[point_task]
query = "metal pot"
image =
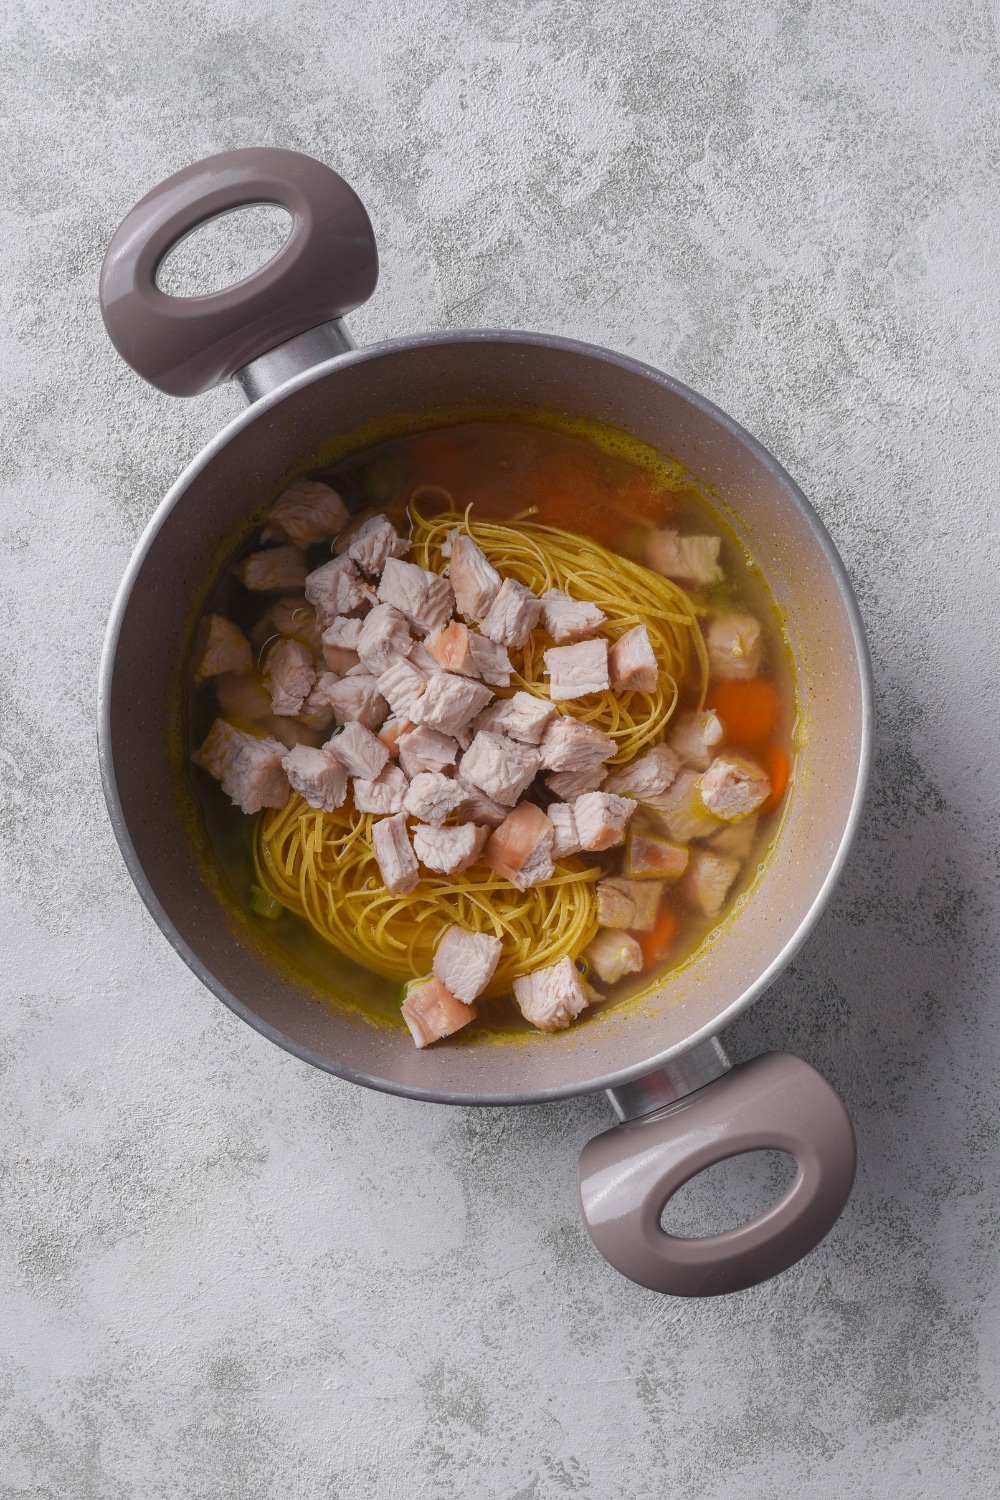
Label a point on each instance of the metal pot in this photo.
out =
(280, 334)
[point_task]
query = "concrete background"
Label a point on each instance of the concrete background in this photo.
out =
(225, 1275)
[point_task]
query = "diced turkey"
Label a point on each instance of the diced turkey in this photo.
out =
(451, 649)
(569, 745)
(337, 588)
(734, 786)
(575, 671)
(502, 768)
(309, 512)
(317, 711)
(289, 675)
(384, 639)
(612, 955)
(290, 732)
(601, 818)
(426, 599)
(465, 962)
(566, 839)
(628, 904)
(318, 777)
(551, 998)
(476, 807)
(358, 750)
(682, 812)
(449, 850)
(650, 858)
(520, 850)
(396, 859)
(736, 839)
(432, 796)
(248, 768)
(735, 646)
(449, 702)
(372, 544)
(709, 879)
(426, 749)
(632, 664)
(649, 775)
(392, 731)
(568, 620)
(572, 784)
(475, 582)
(523, 717)
(695, 736)
(358, 698)
(384, 793)
(275, 568)
(513, 614)
(221, 647)
(432, 1012)
(490, 661)
(686, 559)
(403, 685)
(295, 617)
(243, 696)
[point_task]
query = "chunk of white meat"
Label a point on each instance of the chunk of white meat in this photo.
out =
(695, 736)
(372, 544)
(384, 639)
(575, 671)
(551, 998)
(649, 775)
(475, 581)
(476, 807)
(357, 698)
(383, 794)
(566, 838)
(601, 819)
(336, 589)
(317, 711)
(450, 703)
(243, 696)
(682, 811)
(632, 664)
(432, 1012)
(338, 643)
(568, 620)
(523, 717)
(318, 777)
(220, 647)
(276, 568)
(465, 962)
(359, 751)
(736, 839)
(249, 768)
(290, 732)
(500, 767)
(392, 731)
(572, 784)
(735, 646)
(734, 786)
(396, 860)
(309, 512)
(520, 850)
(451, 649)
(289, 675)
(709, 880)
(650, 858)
(449, 850)
(629, 905)
(569, 745)
(426, 599)
(289, 616)
(513, 614)
(431, 796)
(686, 559)
(490, 660)
(426, 749)
(612, 955)
(403, 685)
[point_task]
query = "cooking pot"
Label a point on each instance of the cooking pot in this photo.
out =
(280, 334)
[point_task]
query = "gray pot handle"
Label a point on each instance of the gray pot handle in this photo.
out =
(326, 267)
(774, 1103)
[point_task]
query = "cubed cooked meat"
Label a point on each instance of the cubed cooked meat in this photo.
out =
(451, 649)
(384, 639)
(735, 646)
(431, 796)
(343, 631)
(277, 568)
(449, 702)
(289, 675)
(551, 998)
(695, 736)
(568, 785)
(569, 745)
(612, 955)
(686, 559)
(601, 818)
(476, 807)
(248, 767)
(682, 811)
(736, 839)
(309, 512)
(243, 696)
(523, 717)
(449, 850)
(318, 777)
(426, 599)
(475, 582)
(383, 794)
(290, 732)
(358, 750)
(337, 588)
(734, 786)
(221, 647)
(317, 710)
(392, 731)
(358, 698)
(632, 664)
(649, 775)
(500, 767)
(513, 614)
(396, 860)
(490, 661)
(373, 543)
(568, 620)
(630, 905)
(289, 616)
(709, 879)
(651, 858)
(575, 671)
(426, 749)
(431, 1012)
(566, 838)
(465, 962)
(520, 850)
(403, 685)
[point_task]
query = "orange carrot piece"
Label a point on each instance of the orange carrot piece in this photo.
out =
(777, 765)
(748, 709)
(654, 944)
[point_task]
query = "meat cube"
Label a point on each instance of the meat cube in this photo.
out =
(396, 860)
(221, 647)
(426, 749)
(465, 962)
(569, 745)
(566, 838)
(392, 731)
(520, 850)
(449, 850)
(612, 955)
(317, 710)
(426, 599)
(650, 858)
(337, 588)
(358, 750)
(383, 640)
(318, 777)
(476, 807)
(523, 717)
(682, 811)
(551, 998)
(383, 794)
(649, 775)
(344, 632)
(490, 661)
(358, 698)
(451, 649)
(734, 786)
(630, 905)
(475, 582)
(309, 512)
(290, 732)
(431, 1012)
(289, 675)
(372, 544)
(709, 879)
(735, 646)
(601, 818)
(248, 767)
(686, 559)
(575, 671)
(449, 702)
(432, 796)
(568, 620)
(572, 784)
(500, 767)
(695, 736)
(736, 839)
(276, 568)
(404, 686)
(289, 616)
(243, 696)
(513, 614)
(632, 664)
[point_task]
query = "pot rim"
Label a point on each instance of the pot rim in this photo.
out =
(133, 864)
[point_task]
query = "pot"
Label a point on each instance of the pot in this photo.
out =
(280, 334)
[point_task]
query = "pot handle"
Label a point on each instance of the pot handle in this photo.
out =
(327, 266)
(627, 1176)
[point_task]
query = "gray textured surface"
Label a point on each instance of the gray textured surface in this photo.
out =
(222, 1274)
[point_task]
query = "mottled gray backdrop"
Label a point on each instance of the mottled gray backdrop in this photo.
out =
(225, 1275)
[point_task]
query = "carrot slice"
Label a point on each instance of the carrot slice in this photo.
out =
(777, 765)
(748, 709)
(654, 944)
